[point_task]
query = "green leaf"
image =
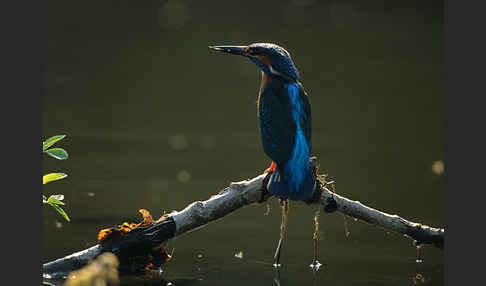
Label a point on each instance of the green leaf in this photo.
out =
(52, 177)
(57, 153)
(58, 197)
(60, 211)
(44, 199)
(49, 142)
(54, 200)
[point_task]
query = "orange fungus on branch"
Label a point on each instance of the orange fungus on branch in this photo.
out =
(147, 218)
(126, 227)
(104, 233)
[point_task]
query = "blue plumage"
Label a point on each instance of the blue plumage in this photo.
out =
(299, 161)
(287, 140)
(284, 118)
(298, 164)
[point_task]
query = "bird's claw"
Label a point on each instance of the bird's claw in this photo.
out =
(271, 168)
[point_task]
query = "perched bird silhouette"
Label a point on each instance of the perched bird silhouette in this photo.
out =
(284, 117)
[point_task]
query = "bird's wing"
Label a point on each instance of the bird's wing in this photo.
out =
(277, 127)
(306, 119)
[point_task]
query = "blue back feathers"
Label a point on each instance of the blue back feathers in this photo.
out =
(299, 161)
(294, 179)
(285, 128)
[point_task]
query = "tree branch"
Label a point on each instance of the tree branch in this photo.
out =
(144, 240)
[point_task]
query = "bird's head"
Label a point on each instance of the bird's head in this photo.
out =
(270, 58)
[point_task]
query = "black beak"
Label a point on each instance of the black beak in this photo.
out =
(237, 50)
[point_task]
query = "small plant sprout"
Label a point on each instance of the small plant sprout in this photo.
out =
(54, 201)
(57, 153)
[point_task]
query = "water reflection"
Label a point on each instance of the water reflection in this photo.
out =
(276, 279)
(418, 279)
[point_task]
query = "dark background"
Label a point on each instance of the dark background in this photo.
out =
(156, 120)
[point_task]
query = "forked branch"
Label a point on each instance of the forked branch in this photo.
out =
(142, 241)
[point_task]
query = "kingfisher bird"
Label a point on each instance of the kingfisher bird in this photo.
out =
(284, 117)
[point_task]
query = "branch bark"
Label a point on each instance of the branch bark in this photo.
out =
(142, 240)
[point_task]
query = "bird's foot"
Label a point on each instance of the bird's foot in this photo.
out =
(271, 168)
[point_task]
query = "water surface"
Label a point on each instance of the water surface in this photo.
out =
(156, 120)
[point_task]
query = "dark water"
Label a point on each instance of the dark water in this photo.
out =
(156, 120)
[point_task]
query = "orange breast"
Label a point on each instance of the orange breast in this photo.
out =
(265, 60)
(265, 80)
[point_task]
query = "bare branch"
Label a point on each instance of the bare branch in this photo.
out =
(237, 195)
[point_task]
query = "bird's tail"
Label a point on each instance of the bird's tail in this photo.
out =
(279, 185)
